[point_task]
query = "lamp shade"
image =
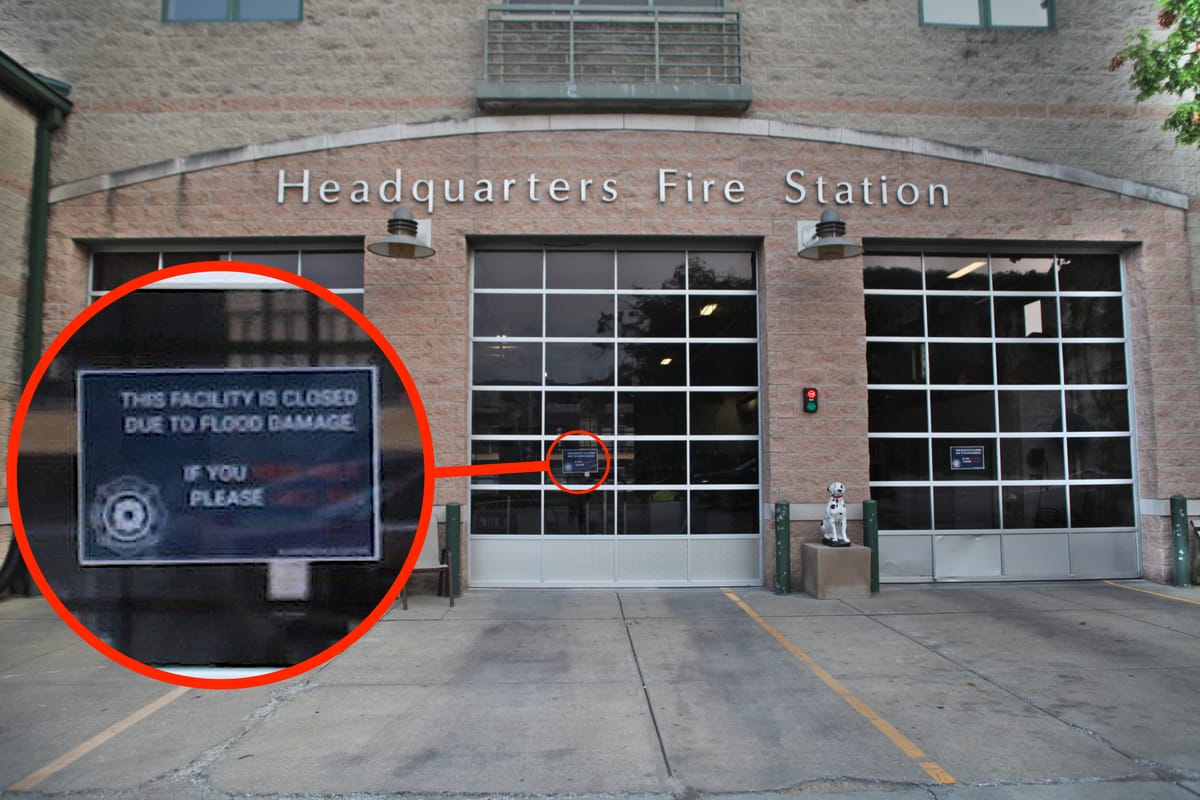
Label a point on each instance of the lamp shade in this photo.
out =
(824, 241)
(402, 240)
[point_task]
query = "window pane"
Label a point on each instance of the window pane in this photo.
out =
(288, 261)
(729, 317)
(1022, 274)
(895, 316)
(903, 508)
(506, 512)
(959, 316)
(724, 462)
(1089, 273)
(892, 411)
(960, 363)
(964, 459)
(724, 364)
(1027, 363)
(514, 363)
(252, 10)
(652, 365)
(579, 411)
(958, 508)
(1094, 363)
(1033, 459)
(649, 270)
(197, 10)
(962, 411)
(583, 364)
(1030, 411)
(1020, 13)
(651, 462)
(950, 12)
(505, 452)
(335, 270)
(956, 273)
(1093, 317)
(721, 271)
(899, 459)
(508, 315)
(506, 412)
(895, 362)
(1101, 506)
(651, 512)
(658, 316)
(652, 413)
(1099, 457)
(1035, 507)
(891, 272)
(1098, 410)
(579, 514)
(579, 270)
(175, 259)
(499, 269)
(579, 315)
(724, 413)
(1025, 317)
(110, 270)
(725, 512)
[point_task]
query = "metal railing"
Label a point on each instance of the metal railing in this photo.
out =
(613, 44)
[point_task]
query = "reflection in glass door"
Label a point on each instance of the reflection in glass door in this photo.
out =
(654, 351)
(999, 414)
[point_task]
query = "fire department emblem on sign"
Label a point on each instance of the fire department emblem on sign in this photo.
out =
(127, 515)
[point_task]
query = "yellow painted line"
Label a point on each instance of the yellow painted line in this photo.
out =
(883, 726)
(73, 755)
(1156, 594)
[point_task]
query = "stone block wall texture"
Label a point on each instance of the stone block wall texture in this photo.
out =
(811, 313)
(17, 132)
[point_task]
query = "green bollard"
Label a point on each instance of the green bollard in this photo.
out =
(454, 545)
(783, 548)
(1179, 532)
(871, 539)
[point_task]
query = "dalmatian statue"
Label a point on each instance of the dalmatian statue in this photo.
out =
(833, 526)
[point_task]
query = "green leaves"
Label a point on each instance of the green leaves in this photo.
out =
(1168, 65)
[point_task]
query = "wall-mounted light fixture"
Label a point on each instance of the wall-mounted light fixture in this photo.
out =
(823, 240)
(403, 239)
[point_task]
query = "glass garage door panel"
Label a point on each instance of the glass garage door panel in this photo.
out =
(654, 351)
(999, 416)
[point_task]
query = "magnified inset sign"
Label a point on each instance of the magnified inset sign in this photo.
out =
(209, 466)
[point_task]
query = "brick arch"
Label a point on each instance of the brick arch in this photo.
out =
(474, 126)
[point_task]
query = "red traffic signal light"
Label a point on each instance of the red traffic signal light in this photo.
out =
(810, 400)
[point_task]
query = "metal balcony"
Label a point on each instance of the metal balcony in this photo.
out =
(618, 58)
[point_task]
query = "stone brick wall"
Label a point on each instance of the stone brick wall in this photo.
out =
(147, 90)
(17, 131)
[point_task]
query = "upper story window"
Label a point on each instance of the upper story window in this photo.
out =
(988, 13)
(232, 10)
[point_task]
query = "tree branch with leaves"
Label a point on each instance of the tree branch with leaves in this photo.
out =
(1168, 65)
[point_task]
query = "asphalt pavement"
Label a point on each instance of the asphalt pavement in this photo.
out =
(1050, 691)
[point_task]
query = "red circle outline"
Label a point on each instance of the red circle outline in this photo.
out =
(607, 462)
(107, 300)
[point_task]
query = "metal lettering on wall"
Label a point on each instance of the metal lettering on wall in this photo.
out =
(202, 466)
(673, 187)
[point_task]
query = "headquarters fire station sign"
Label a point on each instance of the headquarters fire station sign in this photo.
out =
(203, 466)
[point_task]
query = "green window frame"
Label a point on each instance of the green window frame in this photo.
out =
(232, 10)
(985, 14)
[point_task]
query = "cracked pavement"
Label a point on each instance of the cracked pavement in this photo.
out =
(1057, 691)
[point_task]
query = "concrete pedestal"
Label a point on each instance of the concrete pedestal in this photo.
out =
(836, 572)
